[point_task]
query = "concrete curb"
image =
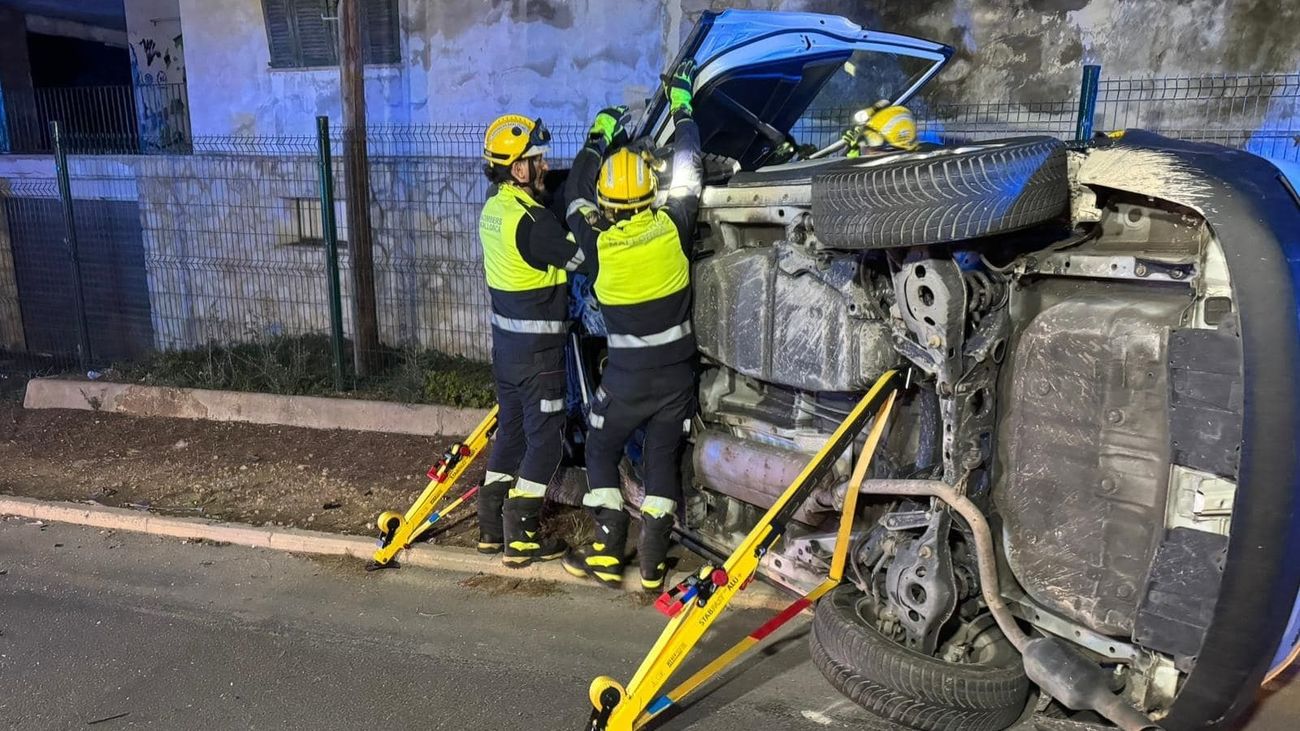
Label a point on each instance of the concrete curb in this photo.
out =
(293, 540)
(313, 412)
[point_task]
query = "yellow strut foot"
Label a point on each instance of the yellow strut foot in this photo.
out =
(399, 530)
(605, 695)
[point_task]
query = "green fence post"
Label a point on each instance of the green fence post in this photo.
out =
(1087, 102)
(329, 231)
(70, 240)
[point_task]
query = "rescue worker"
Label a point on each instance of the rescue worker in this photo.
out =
(527, 255)
(881, 126)
(639, 257)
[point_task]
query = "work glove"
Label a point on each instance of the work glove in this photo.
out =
(852, 138)
(679, 87)
(610, 126)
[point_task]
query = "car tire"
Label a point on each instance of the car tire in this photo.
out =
(946, 195)
(907, 687)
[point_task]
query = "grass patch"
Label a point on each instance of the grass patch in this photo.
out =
(303, 366)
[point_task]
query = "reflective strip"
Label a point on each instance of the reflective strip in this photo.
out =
(578, 205)
(576, 261)
(604, 497)
(601, 395)
(528, 488)
(657, 507)
(541, 327)
(597, 421)
(492, 477)
(686, 426)
(671, 335)
(552, 405)
(604, 561)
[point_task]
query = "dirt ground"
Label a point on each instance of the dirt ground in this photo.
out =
(263, 475)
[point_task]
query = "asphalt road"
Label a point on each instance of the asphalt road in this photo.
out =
(121, 630)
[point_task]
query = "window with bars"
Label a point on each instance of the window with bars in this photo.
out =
(302, 225)
(304, 33)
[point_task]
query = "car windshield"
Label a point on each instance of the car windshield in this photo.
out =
(867, 77)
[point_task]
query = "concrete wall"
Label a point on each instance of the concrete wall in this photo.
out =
(462, 61)
(469, 60)
(1032, 50)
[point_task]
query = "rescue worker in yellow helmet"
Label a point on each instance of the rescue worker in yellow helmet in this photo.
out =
(527, 255)
(640, 260)
(882, 126)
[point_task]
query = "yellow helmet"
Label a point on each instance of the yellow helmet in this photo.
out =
(626, 182)
(893, 126)
(512, 137)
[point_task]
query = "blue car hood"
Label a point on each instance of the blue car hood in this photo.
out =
(759, 71)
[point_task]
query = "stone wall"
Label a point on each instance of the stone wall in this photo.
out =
(11, 323)
(232, 253)
(227, 260)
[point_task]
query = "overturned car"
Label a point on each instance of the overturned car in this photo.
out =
(1101, 409)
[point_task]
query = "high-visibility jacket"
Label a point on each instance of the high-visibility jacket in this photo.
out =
(644, 288)
(641, 264)
(526, 257)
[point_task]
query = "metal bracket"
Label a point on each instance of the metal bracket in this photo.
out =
(920, 582)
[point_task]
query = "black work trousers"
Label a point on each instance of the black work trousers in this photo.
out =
(663, 401)
(530, 419)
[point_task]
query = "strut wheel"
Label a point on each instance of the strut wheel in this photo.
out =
(389, 521)
(596, 693)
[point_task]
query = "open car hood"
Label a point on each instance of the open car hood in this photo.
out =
(758, 72)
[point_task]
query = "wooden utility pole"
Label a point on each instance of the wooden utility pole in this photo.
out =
(356, 175)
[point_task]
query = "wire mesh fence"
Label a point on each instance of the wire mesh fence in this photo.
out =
(125, 120)
(218, 256)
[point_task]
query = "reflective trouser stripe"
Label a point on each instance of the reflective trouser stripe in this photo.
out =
(603, 561)
(527, 488)
(657, 507)
(492, 477)
(597, 421)
(663, 337)
(532, 327)
(604, 497)
(552, 405)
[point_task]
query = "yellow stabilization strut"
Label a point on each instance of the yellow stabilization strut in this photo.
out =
(696, 603)
(399, 530)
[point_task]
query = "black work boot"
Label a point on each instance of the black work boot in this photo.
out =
(525, 543)
(491, 498)
(603, 558)
(656, 538)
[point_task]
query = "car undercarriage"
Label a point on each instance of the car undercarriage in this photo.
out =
(1096, 435)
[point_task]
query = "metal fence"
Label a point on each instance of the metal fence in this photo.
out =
(124, 119)
(117, 257)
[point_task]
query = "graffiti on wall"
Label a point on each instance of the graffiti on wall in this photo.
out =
(158, 73)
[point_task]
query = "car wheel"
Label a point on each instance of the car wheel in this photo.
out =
(951, 194)
(891, 681)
